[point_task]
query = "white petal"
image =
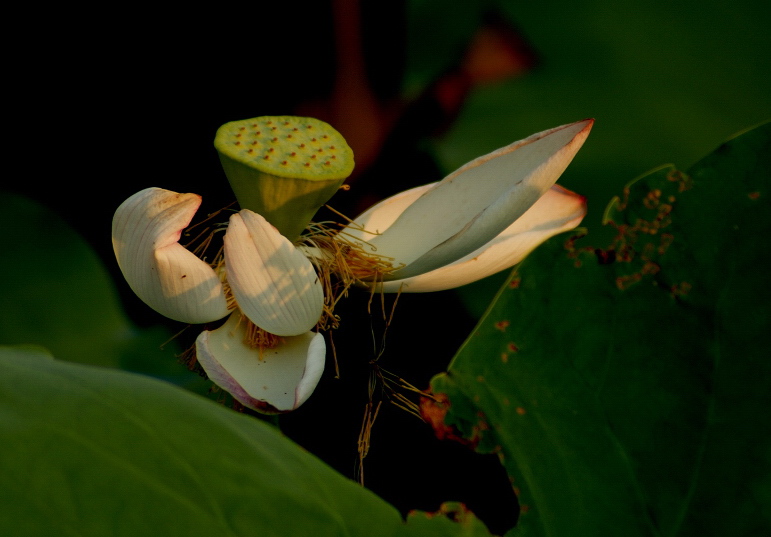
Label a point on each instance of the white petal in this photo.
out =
(270, 381)
(558, 210)
(380, 216)
(166, 276)
(477, 202)
(273, 282)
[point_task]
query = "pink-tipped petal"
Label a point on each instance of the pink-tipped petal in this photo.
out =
(474, 204)
(270, 381)
(556, 211)
(170, 279)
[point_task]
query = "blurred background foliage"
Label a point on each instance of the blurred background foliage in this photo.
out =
(130, 96)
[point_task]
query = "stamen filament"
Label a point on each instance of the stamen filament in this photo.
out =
(257, 338)
(341, 262)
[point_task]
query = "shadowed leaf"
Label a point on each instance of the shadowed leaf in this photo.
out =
(622, 386)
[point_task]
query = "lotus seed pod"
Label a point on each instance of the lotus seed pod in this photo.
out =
(283, 167)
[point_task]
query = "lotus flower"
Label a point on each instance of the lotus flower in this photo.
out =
(268, 284)
(482, 218)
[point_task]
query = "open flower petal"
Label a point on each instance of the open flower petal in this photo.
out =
(378, 218)
(556, 211)
(273, 282)
(474, 204)
(170, 279)
(267, 380)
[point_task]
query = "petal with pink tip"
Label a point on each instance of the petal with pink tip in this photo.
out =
(271, 381)
(273, 282)
(477, 202)
(556, 211)
(170, 279)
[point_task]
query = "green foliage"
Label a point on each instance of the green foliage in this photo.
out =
(53, 288)
(663, 79)
(625, 387)
(56, 293)
(92, 452)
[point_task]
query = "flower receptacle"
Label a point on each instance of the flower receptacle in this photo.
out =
(283, 167)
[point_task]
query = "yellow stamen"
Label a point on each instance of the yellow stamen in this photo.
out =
(365, 435)
(341, 261)
(219, 268)
(257, 338)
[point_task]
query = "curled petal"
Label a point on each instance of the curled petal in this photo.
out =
(170, 279)
(273, 282)
(474, 204)
(271, 381)
(556, 211)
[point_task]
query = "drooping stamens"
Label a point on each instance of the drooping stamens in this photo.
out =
(365, 436)
(341, 261)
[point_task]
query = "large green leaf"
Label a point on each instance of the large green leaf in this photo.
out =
(55, 292)
(626, 388)
(98, 452)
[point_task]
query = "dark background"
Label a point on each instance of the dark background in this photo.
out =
(108, 101)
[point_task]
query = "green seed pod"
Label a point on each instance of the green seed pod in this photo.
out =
(283, 167)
